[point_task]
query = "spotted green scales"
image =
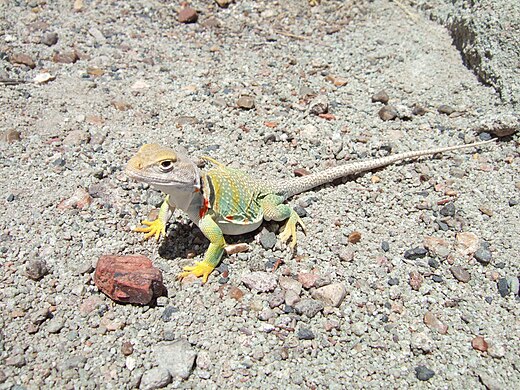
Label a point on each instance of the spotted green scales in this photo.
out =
(225, 200)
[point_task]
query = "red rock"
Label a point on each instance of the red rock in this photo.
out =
(416, 280)
(129, 279)
(188, 15)
(308, 279)
(354, 237)
(479, 344)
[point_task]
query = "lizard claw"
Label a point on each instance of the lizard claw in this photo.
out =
(289, 231)
(155, 228)
(200, 268)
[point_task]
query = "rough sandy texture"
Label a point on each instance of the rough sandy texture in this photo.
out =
(431, 318)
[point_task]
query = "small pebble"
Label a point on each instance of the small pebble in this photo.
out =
(354, 237)
(512, 202)
(388, 113)
(188, 15)
(305, 334)
(445, 109)
(381, 97)
(127, 348)
(433, 263)
(434, 323)
(416, 280)
(448, 210)
(36, 269)
(460, 274)
(502, 286)
(50, 39)
(308, 307)
(479, 344)
(393, 281)
(168, 313)
(155, 378)
(483, 256)
(418, 110)
(437, 278)
(246, 102)
(385, 246)
(268, 239)
(423, 373)
(415, 253)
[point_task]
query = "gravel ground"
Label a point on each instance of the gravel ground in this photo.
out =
(407, 277)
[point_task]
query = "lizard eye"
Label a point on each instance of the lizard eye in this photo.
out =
(166, 165)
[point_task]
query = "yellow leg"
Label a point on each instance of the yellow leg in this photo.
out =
(275, 210)
(214, 253)
(157, 227)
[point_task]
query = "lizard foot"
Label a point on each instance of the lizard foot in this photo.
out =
(201, 268)
(289, 231)
(153, 228)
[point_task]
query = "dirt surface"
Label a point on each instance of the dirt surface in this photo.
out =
(85, 83)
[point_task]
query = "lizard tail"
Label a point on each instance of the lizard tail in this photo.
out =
(296, 185)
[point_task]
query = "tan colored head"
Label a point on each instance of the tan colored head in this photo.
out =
(163, 167)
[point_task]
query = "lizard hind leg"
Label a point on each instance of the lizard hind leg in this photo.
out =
(277, 211)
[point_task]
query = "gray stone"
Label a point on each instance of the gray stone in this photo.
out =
(305, 334)
(36, 269)
(308, 307)
(268, 239)
(503, 287)
(483, 256)
(177, 357)
(423, 373)
(156, 378)
(55, 325)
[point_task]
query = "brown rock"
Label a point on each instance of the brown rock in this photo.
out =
(381, 97)
(121, 105)
(460, 274)
(479, 344)
(10, 136)
(434, 323)
(36, 269)
(388, 113)
(129, 279)
(437, 246)
(188, 15)
(236, 293)
(418, 110)
(127, 348)
(22, 59)
(416, 280)
(308, 279)
(338, 81)
(66, 57)
(354, 237)
(246, 102)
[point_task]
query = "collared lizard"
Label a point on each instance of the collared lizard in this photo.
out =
(226, 200)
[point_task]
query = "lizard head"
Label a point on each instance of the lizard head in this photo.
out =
(163, 168)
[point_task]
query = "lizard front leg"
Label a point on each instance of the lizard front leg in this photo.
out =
(275, 210)
(157, 227)
(214, 253)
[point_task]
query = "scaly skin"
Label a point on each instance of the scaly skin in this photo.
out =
(228, 201)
